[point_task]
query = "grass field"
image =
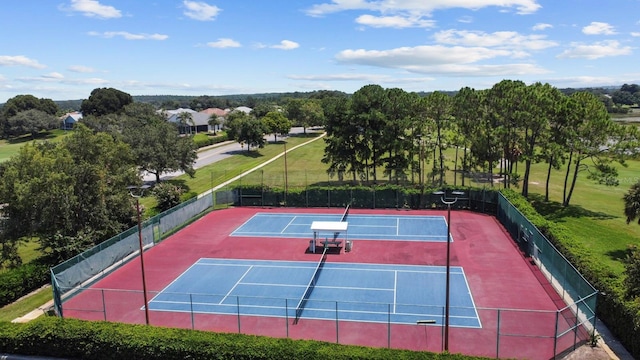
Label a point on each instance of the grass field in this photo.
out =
(8, 148)
(595, 215)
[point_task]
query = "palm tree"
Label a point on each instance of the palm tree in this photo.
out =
(186, 120)
(632, 203)
(214, 122)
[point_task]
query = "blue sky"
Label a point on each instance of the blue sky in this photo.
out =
(63, 49)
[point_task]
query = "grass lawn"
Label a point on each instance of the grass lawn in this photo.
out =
(595, 214)
(26, 305)
(215, 174)
(8, 148)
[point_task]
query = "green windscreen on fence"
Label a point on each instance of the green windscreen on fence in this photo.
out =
(98, 261)
(565, 278)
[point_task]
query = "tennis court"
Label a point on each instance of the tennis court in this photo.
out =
(361, 227)
(250, 270)
(365, 292)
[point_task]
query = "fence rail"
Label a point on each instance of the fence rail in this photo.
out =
(568, 327)
(546, 333)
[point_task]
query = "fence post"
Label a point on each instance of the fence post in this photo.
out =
(555, 337)
(389, 325)
(286, 315)
(575, 328)
(104, 306)
(498, 335)
(193, 326)
(238, 310)
(337, 325)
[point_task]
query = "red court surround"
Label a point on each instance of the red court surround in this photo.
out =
(498, 275)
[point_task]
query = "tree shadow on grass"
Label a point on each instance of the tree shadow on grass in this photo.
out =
(254, 154)
(553, 210)
(45, 135)
(618, 254)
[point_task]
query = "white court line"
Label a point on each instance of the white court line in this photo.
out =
(235, 286)
(397, 226)
(473, 303)
(395, 290)
(286, 226)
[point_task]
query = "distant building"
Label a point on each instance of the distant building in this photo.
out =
(220, 114)
(199, 121)
(69, 120)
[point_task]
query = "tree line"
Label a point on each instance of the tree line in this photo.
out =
(72, 194)
(391, 133)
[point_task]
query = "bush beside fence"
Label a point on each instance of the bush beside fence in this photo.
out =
(388, 196)
(69, 338)
(15, 283)
(621, 316)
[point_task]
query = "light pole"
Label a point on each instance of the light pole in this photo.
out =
(448, 276)
(286, 175)
(141, 190)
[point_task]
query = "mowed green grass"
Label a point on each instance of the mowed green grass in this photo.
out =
(9, 148)
(595, 214)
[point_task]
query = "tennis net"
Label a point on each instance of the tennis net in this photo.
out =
(346, 213)
(310, 286)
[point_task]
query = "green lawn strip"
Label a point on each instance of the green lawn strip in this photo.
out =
(594, 216)
(226, 169)
(9, 148)
(26, 304)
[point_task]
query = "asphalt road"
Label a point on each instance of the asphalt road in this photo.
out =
(211, 154)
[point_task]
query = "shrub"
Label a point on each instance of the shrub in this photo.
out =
(167, 195)
(70, 338)
(20, 281)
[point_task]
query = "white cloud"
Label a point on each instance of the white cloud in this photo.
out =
(53, 78)
(595, 51)
(635, 34)
(224, 43)
(93, 8)
(394, 21)
(499, 39)
(20, 60)
(428, 54)
(598, 28)
(453, 61)
(129, 36)
(541, 26)
(465, 19)
(201, 11)
(80, 69)
(341, 77)
(286, 45)
(418, 7)
(53, 75)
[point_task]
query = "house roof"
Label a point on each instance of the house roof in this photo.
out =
(71, 117)
(199, 118)
(243, 109)
(215, 111)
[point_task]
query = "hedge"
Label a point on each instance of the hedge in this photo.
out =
(71, 338)
(18, 282)
(621, 316)
(211, 140)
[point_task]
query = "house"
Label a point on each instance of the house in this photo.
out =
(244, 109)
(218, 113)
(198, 121)
(69, 120)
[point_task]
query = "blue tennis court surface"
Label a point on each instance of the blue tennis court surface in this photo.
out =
(363, 292)
(361, 227)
